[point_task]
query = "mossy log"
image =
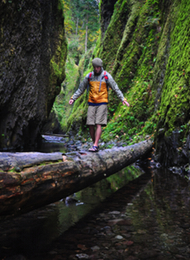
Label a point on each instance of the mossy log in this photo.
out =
(31, 180)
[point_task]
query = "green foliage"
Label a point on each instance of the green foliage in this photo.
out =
(174, 105)
(76, 14)
(75, 49)
(68, 21)
(148, 56)
(72, 116)
(133, 75)
(61, 104)
(81, 19)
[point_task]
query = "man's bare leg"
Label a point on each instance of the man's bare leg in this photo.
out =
(92, 132)
(97, 134)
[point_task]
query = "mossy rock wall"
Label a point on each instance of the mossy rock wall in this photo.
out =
(32, 66)
(146, 48)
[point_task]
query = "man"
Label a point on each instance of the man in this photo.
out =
(98, 82)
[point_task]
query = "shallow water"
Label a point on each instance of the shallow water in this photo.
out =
(32, 232)
(52, 144)
(146, 219)
(134, 214)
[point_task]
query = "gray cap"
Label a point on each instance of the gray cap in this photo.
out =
(97, 62)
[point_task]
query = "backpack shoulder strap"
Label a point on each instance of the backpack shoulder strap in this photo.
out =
(89, 76)
(105, 76)
(106, 79)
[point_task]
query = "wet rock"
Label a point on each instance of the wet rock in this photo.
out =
(176, 170)
(78, 143)
(146, 254)
(95, 248)
(119, 237)
(70, 143)
(106, 228)
(126, 235)
(128, 243)
(82, 247)
(113, 222)
(182, 249)
(70, 201)
(125, 222)
(82, 256)
(114, 213)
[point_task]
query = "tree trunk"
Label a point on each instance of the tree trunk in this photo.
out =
(77, 24)
(86, 36)
(35, 186)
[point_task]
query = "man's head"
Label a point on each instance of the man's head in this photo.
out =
(97, 64)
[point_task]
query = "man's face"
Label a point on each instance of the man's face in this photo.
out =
(97, 69)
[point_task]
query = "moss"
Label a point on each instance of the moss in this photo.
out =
(138, 76)
(134, 46)
(61, 6)
(57, 67)
(58, 60)
(175, 97)
(146, 49)
(111, 41)
(133, 70)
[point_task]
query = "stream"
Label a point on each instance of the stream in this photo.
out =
(137, 213)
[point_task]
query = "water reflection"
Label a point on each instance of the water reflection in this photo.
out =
(53, 143)
(35, 230)
(147, 219)
(160, 217)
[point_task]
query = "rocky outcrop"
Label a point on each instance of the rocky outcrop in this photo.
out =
(32, 180)
(52, 125)
(32, 60)
(106, 9)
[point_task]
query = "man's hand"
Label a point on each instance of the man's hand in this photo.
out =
(125, 103)
(71, 101)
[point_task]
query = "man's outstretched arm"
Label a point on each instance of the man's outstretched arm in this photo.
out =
(79, 91)
(114, 87)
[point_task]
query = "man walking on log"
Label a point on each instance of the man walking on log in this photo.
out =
(98, 82)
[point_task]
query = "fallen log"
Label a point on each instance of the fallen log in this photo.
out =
(27, 184)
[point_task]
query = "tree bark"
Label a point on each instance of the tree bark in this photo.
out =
(38, 185)
(86, 36)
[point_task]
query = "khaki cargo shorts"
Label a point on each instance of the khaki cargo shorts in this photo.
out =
(97, 115)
